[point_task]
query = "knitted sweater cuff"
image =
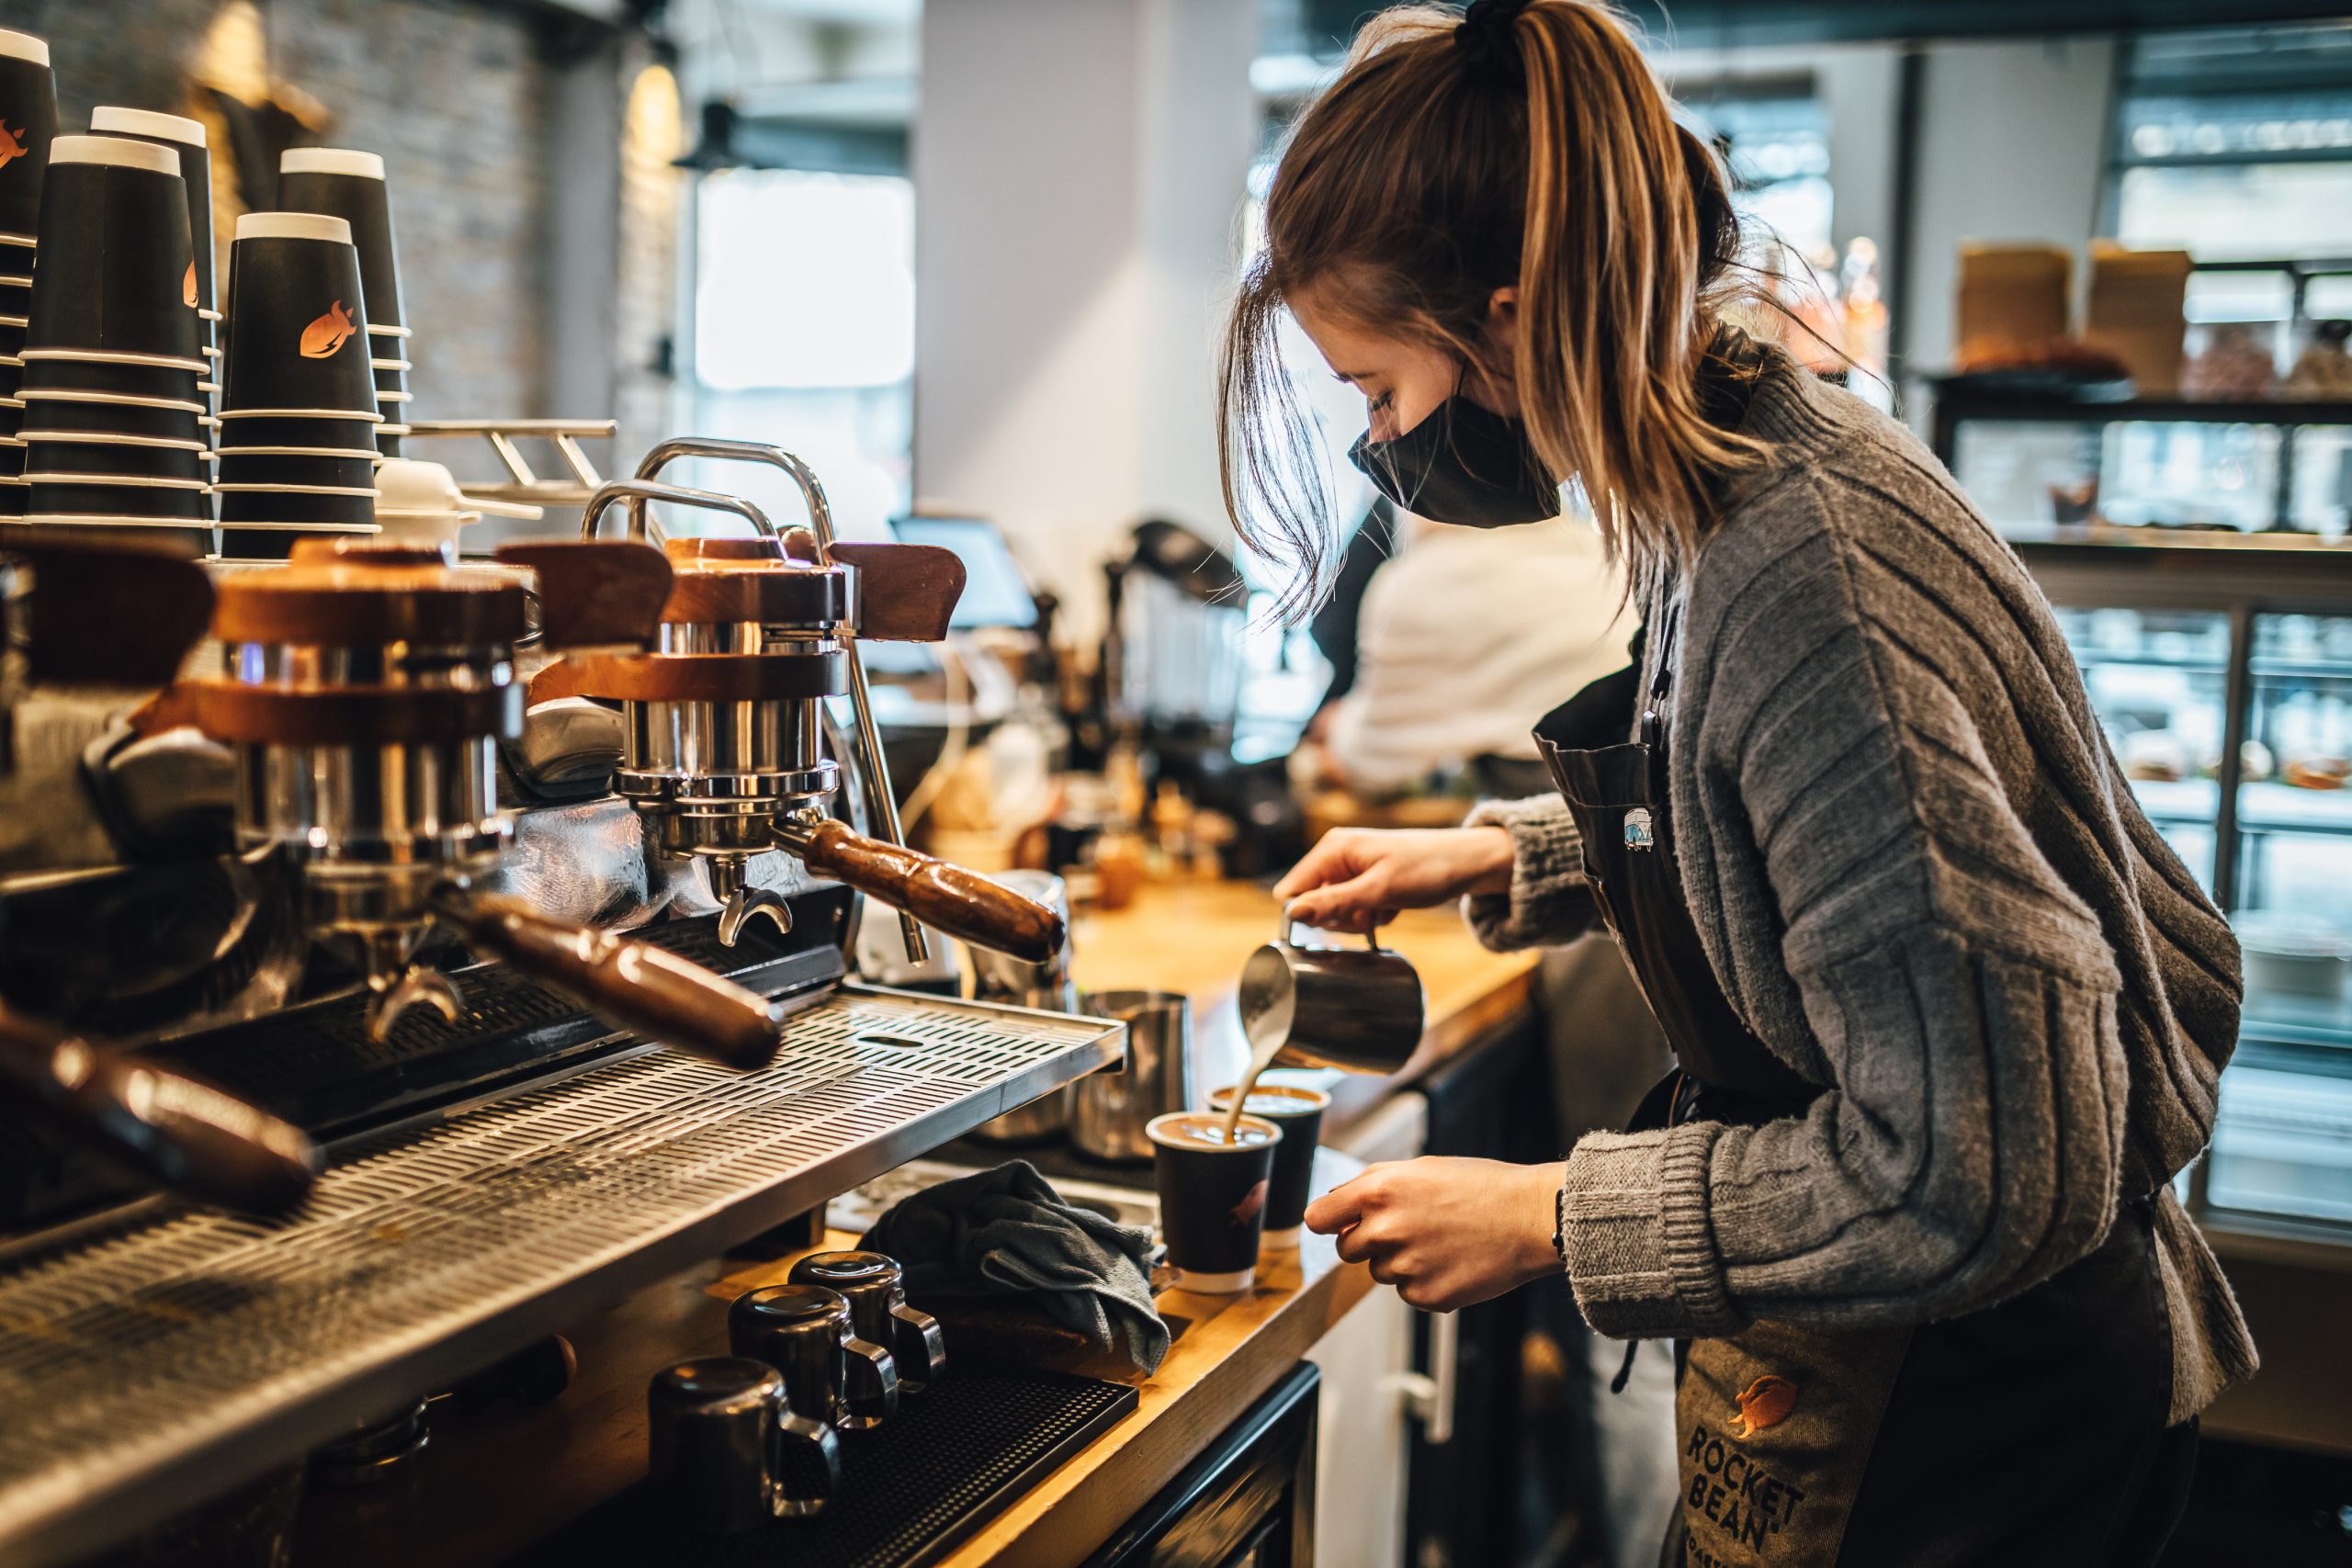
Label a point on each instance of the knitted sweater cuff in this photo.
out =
(1548, 903)
(1635, 1226)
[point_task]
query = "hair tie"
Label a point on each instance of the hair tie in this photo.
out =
(1484, 37)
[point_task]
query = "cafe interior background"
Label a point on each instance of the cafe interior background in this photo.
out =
(965, 258)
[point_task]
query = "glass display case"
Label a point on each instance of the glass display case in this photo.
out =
(2223, 679)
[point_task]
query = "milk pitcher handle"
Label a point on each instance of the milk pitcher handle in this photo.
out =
(1285, 924)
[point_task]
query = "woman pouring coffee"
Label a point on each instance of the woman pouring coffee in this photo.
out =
(1949, 1014)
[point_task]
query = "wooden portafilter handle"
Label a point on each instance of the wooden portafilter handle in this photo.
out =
(961, 903)
(179, 1132)
(633, 983)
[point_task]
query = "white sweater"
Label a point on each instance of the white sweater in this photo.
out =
(1469, 636)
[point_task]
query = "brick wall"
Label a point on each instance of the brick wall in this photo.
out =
(454, 93)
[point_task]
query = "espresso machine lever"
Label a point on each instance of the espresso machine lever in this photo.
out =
(881, 800)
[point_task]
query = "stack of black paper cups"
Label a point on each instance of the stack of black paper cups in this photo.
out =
(350, 185)
(298, 410)
(27, 125)
(111, 359)
(185, 138)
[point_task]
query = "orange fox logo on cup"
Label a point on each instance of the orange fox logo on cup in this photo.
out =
(12, 144)
(187, 285)
(1251, 1201)
(328, 333)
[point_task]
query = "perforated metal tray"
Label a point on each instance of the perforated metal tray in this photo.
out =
(163, 1357)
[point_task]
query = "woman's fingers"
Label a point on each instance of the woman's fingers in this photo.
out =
(1339, 1208)
(1353, 907)
(1334, 857)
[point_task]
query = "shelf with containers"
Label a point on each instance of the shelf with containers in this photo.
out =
(2222, 676)
(2261, 442)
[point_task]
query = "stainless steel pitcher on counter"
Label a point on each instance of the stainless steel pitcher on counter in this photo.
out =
(1110, 1109)
(1001, 978)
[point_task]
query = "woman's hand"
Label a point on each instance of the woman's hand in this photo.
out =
(1355, 879)
(1446, 1232)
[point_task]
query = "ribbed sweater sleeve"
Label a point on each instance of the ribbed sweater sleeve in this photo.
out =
(1842, 781)
(1549, 904)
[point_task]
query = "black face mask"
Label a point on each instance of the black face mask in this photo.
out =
(1464, 464)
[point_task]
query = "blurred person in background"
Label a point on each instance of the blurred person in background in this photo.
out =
(1459, 636)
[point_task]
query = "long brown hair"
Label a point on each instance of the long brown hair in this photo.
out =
(1528, 146)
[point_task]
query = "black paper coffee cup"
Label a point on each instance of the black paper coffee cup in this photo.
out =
(298, 326)
(97, 457)
(1299, 1113)
(146, 376)
(28, 128)
(342, 434)
(60, 497)
(349, 184)
(114, 251)
(313, 505)
(186, 140)
(246, 465)
(275, 541)
(1212, 1196)
(12, 457)
(15, 496)
(46, 410)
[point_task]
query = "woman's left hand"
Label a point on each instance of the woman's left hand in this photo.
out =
(1447, 1233)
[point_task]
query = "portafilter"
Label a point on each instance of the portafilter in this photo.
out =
(722, 726)
(123, 616)
(365, 688)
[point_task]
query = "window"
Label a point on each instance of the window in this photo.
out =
(1775, 137)
(2235, 144)
(804, 335)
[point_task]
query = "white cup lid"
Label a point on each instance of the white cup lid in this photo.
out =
(148, 122)
(117, 151)
(24, 46)
(330, 160)
(293, 226)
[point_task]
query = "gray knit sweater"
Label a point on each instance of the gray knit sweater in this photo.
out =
(1921, 879)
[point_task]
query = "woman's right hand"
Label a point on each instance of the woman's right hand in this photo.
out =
(1355, 879)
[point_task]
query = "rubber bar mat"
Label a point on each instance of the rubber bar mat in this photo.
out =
(912, 1489)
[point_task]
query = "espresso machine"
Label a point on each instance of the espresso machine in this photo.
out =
(365, 688)
(431, 797)
(722, 714)
(91, 616)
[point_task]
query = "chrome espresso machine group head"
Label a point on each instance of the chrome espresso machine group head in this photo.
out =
(364, 689)
(723, 710)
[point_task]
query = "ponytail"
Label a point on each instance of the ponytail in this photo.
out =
(1526, 144)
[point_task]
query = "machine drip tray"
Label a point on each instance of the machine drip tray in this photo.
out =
(912, 1489)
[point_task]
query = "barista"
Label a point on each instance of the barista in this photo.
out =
(1949, 1014)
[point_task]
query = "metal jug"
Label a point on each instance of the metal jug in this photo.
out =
(1002, 978)
(1358, 1010)
(1112, 1108)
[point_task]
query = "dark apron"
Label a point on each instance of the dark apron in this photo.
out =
(2029, 1433)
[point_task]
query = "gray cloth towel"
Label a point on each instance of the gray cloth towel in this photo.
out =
(1007, 1232)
